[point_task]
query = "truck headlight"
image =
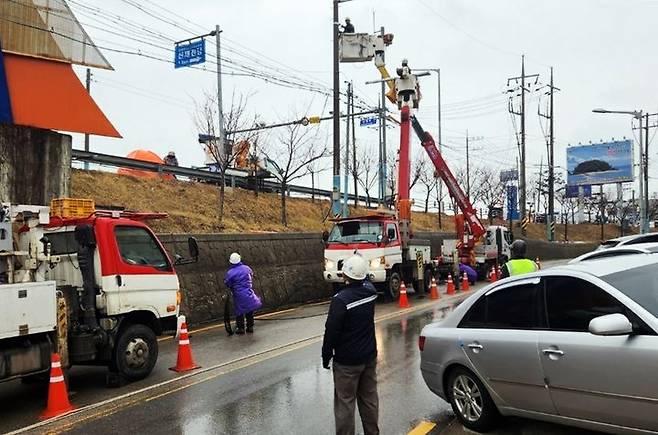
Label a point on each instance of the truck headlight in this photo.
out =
(378, 262)
(328, 264)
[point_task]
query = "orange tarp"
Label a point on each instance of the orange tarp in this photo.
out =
(47, 94)
(145, 156)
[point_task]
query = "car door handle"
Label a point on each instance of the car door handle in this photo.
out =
(553, 352)
(475, 346)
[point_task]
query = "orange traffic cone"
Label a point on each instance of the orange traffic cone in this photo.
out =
(403, 302)
(185, 362)
(58, 397)
(493, 276)
(450, 286)
(434, 293)
(465, 283)
(538, 263)
(499, 273)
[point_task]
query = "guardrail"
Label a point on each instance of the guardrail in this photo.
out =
(234, 177)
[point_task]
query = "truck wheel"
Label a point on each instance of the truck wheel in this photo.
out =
(136, 352)
(394, 282)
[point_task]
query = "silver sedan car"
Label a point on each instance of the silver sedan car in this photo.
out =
(575, 345)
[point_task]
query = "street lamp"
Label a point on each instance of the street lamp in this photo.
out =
(644, 168)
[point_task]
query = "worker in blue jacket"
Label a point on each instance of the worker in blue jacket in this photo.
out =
(349, 339)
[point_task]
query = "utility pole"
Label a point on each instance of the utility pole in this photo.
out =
(550, 229)
(382, 151)
(521, 113)
(86, 134)
(440, 187)
(646, 173)
(355, 174)
(335, 193)
(220, 110)
(468, 170)
(347, 152)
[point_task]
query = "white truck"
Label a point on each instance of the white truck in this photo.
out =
(492, 250)
(377, 238)
(95, 289)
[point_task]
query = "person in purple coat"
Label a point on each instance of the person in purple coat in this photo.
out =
(239, 278)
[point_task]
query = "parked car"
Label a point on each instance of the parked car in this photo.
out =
(575, 344)
(631, 249)
(629, 240)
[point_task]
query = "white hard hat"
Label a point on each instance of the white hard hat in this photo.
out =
(347, 19)
(356, 268)
(234, 258)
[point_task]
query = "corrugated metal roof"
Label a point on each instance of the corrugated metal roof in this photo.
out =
(47, 29)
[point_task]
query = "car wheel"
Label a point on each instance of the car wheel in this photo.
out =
(136, 352)
(471, 402)
(394, 282)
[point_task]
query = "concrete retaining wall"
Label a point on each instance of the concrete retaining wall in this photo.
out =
(287, 270)
(287, 267)
(35, 165)
(556, 251)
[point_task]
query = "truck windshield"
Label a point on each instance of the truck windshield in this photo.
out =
(356, 231)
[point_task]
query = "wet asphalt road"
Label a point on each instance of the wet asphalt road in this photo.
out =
(271, 382)
(286, 393)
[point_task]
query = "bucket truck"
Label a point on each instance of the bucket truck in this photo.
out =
(96, 287)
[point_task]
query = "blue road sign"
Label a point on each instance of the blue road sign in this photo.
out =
(190, 54)
(572, 191)
(368, 121)
(512, 209)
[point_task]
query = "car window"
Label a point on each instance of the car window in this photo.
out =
(138, 247)
(571, 303)
(390, 227)
(516, 307)
(650, 238)
(639, 284)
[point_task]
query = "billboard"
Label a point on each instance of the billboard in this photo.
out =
(603, 163)
(511, 175)
(573, 191)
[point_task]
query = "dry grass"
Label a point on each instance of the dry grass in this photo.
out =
(193, 208)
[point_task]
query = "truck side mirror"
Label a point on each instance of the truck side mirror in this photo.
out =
(390, 234)
(325, 236)
(193, 247)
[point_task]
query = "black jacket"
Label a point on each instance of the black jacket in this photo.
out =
(349, 334)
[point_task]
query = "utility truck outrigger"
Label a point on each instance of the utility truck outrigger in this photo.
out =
(96, 288)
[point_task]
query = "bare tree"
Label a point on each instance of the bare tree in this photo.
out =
(368, 171)
(298, 148)
(223, 155)
(428, 178)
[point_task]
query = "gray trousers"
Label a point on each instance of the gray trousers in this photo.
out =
(356, 383)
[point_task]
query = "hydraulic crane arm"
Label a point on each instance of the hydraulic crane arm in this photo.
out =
(476, 227)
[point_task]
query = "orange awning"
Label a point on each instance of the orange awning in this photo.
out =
(48, 94)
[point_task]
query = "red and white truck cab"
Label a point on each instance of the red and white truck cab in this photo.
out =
(97, 289)
(376, 237)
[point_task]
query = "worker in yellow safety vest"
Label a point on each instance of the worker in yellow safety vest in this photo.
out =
(519, 264)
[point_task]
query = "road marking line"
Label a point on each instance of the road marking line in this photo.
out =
(115, 404)
(423, 428)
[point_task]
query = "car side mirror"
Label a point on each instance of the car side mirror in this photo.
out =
(611, 324)
(390, 233)
(193, 248)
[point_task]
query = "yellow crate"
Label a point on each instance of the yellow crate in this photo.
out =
(72, 207)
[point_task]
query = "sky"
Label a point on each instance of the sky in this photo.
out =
(601, 51)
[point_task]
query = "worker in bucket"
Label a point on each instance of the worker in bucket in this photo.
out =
(349, 339)
(239, 279)
(519, 264)
(348, 27)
